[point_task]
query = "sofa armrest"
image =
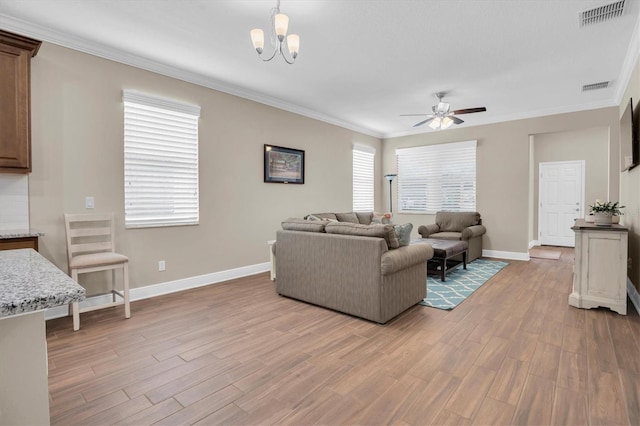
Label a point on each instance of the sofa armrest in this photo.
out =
(404, 257)
(427, 230)
(473, 231)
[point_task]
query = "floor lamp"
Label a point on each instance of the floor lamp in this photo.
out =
(390, 178)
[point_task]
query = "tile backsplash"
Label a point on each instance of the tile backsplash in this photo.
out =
(14, 202)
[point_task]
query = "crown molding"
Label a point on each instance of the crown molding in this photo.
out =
(103, 51)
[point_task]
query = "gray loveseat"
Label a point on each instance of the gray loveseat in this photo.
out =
(464, 226)
(349, 267)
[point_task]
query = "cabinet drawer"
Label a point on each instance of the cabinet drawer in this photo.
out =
(19, 243)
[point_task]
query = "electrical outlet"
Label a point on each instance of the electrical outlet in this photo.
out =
(161, 266)
(88, 202)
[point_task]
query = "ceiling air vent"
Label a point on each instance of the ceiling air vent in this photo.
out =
(595, 86)
(602, 13)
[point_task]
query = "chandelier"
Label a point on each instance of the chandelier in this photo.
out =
(278, 36)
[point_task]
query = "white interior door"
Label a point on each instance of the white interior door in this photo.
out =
(561, 200)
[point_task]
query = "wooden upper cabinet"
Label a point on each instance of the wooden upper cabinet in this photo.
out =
(15, 98)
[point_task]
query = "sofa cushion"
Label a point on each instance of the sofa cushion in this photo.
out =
(379, 231)
(403, 232)
(364, 218)
(347, 217)
(297, 224)
(317, 218)
(456, 221)
(322, 216)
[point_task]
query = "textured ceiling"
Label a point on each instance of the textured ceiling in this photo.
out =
(362, 63)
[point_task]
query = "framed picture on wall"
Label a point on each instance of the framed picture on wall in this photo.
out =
(283, 165)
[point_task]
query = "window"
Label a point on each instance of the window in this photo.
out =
(160, 161)
(437, 177)
(363, 178)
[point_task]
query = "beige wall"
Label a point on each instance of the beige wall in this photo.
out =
(590, 145)
(77, 124)
(77, 121)
(503, 169)
(630, 185)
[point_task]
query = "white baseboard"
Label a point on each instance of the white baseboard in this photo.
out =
(230, 274)
(146, 292)
(160, 289)
(633, 295)
(510, 255)
(534, 243)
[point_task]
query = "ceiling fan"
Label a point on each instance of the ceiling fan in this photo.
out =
(442, 117)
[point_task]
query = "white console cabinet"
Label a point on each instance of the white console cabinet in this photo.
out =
(600, 272)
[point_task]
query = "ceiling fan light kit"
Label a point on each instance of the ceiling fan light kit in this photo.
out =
(441, 123)
(278, 37)
(442, 117)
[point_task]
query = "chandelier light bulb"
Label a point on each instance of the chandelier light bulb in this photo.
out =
(435, 123)
(293, 43)
(446, 123)
(257, 38)
(281, 25)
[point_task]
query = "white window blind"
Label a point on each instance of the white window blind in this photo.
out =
(432, 178)
(160, 161)
(363, 188)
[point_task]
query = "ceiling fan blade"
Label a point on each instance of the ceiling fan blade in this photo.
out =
(456, 119)
(469, 110)
(423, 122)
(412, 115)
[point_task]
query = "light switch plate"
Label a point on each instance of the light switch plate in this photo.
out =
(88, 202)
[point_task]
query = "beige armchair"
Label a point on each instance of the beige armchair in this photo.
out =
(464, 226)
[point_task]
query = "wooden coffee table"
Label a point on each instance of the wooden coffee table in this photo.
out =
(443, 251)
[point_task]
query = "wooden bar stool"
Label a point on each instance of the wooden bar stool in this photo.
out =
(90, 248)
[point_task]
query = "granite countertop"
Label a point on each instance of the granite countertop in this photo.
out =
(19, 233)
(29, 282)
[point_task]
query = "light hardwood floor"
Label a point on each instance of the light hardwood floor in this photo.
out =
(237, 353)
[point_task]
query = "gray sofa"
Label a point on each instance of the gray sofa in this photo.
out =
(463, 226)
(349, 267)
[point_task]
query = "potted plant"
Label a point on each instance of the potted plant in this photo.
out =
(604, 212)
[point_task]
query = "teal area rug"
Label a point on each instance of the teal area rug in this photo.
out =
(460, 283)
